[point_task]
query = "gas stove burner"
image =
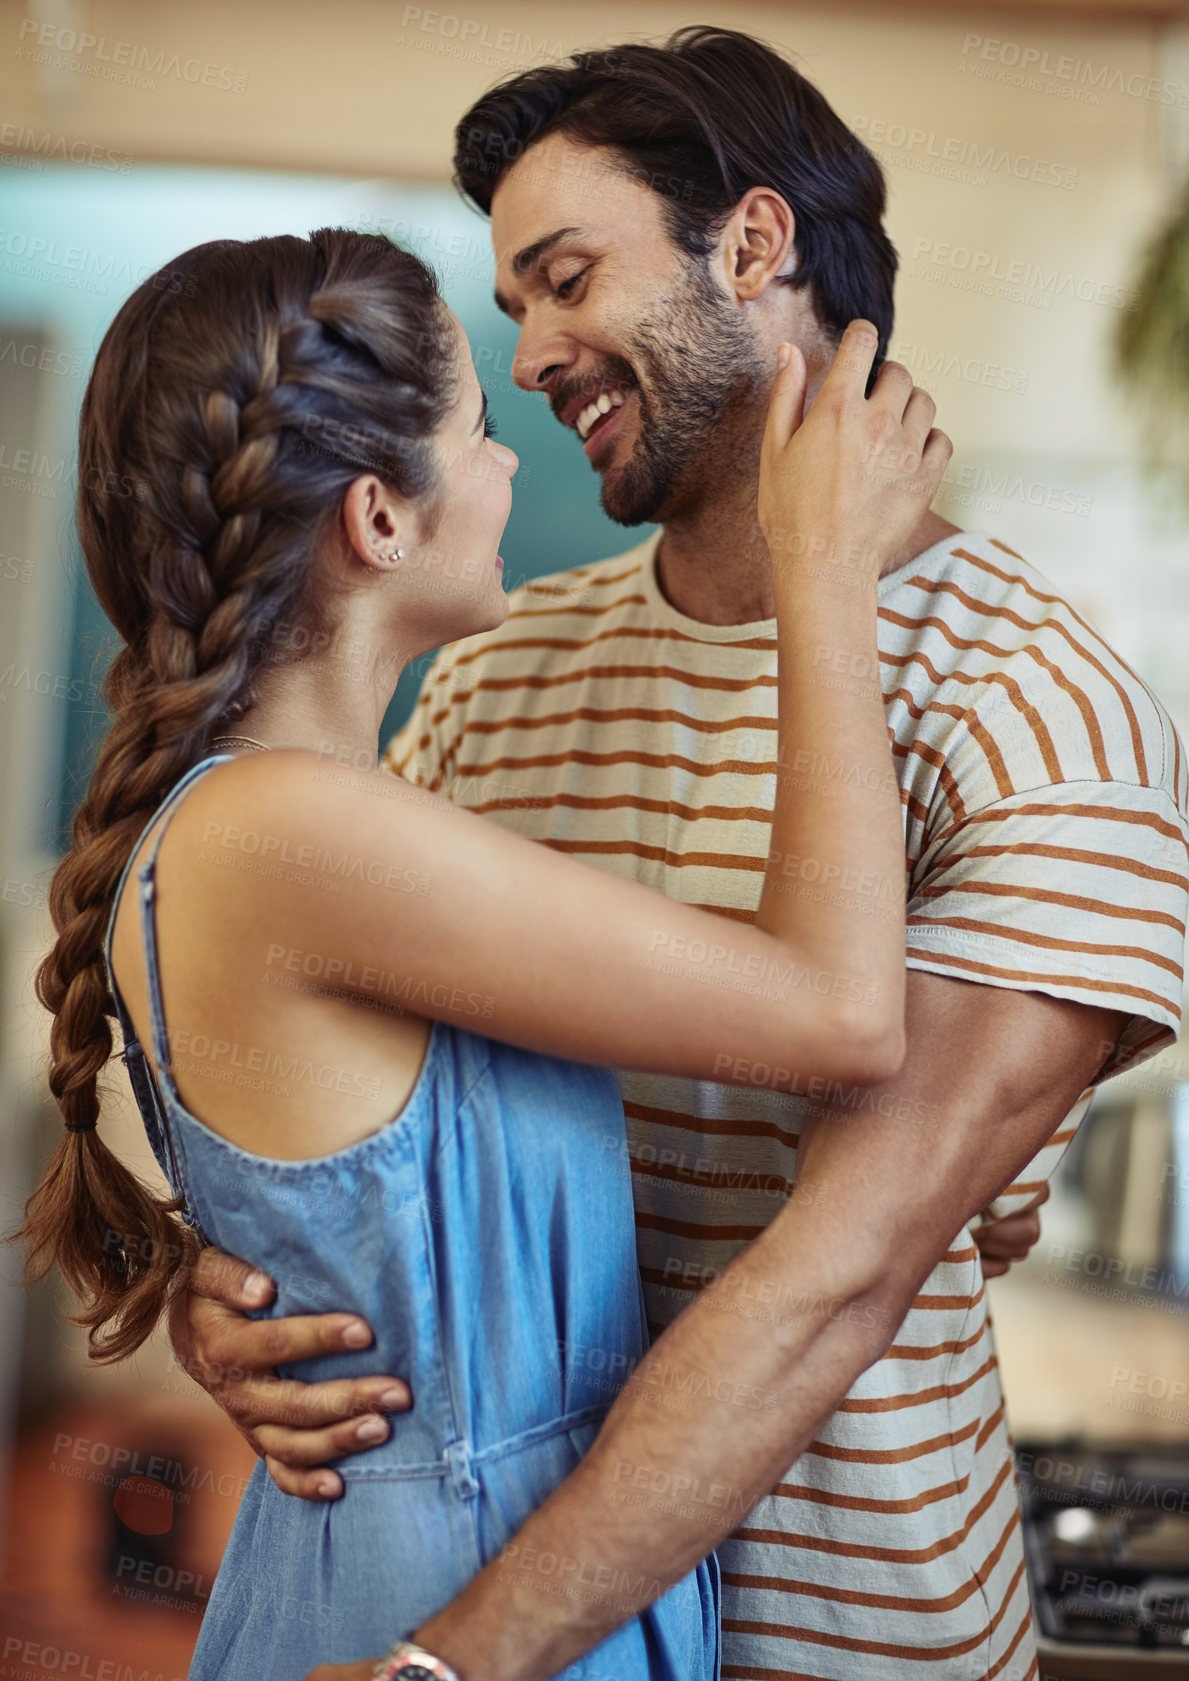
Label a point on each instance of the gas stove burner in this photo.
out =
(1106, 1533)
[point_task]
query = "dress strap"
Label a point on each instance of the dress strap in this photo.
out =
(146, 878)
(145, 1089)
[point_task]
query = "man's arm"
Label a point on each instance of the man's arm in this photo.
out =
(297, 1427)
(995, 1071)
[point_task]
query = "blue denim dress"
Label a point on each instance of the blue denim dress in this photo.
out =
(487, 1236)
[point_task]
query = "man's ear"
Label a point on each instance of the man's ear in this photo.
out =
(756, 245)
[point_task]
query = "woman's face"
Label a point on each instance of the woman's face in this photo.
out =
(453, 579)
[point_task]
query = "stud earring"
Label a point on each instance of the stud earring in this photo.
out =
(397, 554)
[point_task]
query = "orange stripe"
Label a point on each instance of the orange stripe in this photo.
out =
(647, 633)
(919, 1397)
(994, 757)
(718, 1126)
(884, 1555)
(855, 1503)
(1053, 623)
(1111, 814)
(1039, 981)
(623, 756)
(989, 1428)
(694, 1229)
(615, 715)
(660, 854)
(583, 574)
(1057, 600)
(880, 1602)
(671, 1173)
(988, 679)
(745, 1672)
(1068, 855)
(911, 1351)
(943, 1443)
(576, 644)
(945, 1304)
(616, 673)
(965, 644)
(1047, 895)
(636, 802)
(945, 776)
(568, 605)
(591, 714)
(877, 1648)
(1049, 942)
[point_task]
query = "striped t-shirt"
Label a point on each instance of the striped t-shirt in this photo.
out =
(1044, 792)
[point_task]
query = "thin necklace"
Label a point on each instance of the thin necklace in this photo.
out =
(241, 741)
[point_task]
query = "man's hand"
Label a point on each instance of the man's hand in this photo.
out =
(294, 1427)
(1000, 1242)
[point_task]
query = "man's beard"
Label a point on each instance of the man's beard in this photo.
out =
(703, 368)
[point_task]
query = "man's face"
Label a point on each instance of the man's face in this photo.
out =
(613, 313)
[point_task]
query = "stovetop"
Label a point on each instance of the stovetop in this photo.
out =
(1106, 1534)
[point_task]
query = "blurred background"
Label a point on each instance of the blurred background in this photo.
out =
(1037, 158)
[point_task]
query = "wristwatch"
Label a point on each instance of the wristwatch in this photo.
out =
(409, 1662)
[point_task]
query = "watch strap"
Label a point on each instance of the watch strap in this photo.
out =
(409, 1662)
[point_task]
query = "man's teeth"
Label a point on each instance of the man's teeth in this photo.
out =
(603, 404)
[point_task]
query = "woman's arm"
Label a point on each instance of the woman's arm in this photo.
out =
(572, 961)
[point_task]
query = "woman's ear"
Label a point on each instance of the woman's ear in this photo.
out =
(373, 521)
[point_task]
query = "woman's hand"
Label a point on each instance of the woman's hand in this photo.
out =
(846, 484)
(1008, 1238)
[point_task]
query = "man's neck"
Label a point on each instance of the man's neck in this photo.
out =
(715, 567)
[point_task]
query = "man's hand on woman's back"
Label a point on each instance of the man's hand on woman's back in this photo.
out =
(294, 1427)
(297, 1427)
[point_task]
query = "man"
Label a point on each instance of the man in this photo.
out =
(660, 215)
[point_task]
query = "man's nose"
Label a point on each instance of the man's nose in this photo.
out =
(541, 357)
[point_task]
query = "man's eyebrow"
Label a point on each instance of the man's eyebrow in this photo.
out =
(531, 255)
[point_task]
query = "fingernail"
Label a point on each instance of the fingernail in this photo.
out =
(393, 1400)
(782, 357)
(257, 1285)
(328, 1487)
(357, 1335)
(371, 1430)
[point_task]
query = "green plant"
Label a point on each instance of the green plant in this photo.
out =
(1150, 348)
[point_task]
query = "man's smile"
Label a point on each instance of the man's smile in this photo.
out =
(601, 430)
(589, 417)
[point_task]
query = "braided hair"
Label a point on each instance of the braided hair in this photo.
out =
(236, 396)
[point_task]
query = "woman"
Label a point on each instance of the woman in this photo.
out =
(371, 1035)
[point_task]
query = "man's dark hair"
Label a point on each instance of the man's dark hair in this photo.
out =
(702, 119)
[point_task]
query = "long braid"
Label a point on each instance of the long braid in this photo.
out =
(234, 399)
